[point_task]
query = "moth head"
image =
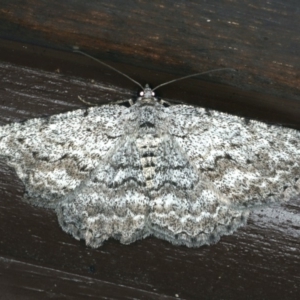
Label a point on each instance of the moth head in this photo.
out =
(147, 93)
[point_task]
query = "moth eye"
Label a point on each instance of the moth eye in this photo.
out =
(141, 93)
(153, 94)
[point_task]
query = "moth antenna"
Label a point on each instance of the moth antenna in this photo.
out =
(76, 50)
(193, 75)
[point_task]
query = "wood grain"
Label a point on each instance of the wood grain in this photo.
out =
(260, 261)
(153, 42)
(259, 38)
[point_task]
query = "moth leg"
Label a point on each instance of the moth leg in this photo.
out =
(86, 102)
(165, 103)
(130, 101)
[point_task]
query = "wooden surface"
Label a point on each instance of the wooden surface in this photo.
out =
(152, 42)
(259, 37)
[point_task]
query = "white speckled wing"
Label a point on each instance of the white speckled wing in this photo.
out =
(111, 203)
(181, 173)
(185, 207)
(53, 155)
(250, 163)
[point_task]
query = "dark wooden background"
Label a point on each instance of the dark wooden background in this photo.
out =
(152, 41)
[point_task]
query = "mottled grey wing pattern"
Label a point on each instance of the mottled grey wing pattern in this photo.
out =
(180, 173)
(111, 203)
(250, 163)
(185, 208)
(53, 155)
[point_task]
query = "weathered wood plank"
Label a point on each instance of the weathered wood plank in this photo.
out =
(260, 38)
(26, 281)
(260, 261)
(153, 42)
(197, 91)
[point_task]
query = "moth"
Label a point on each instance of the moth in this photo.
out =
(175, 172)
